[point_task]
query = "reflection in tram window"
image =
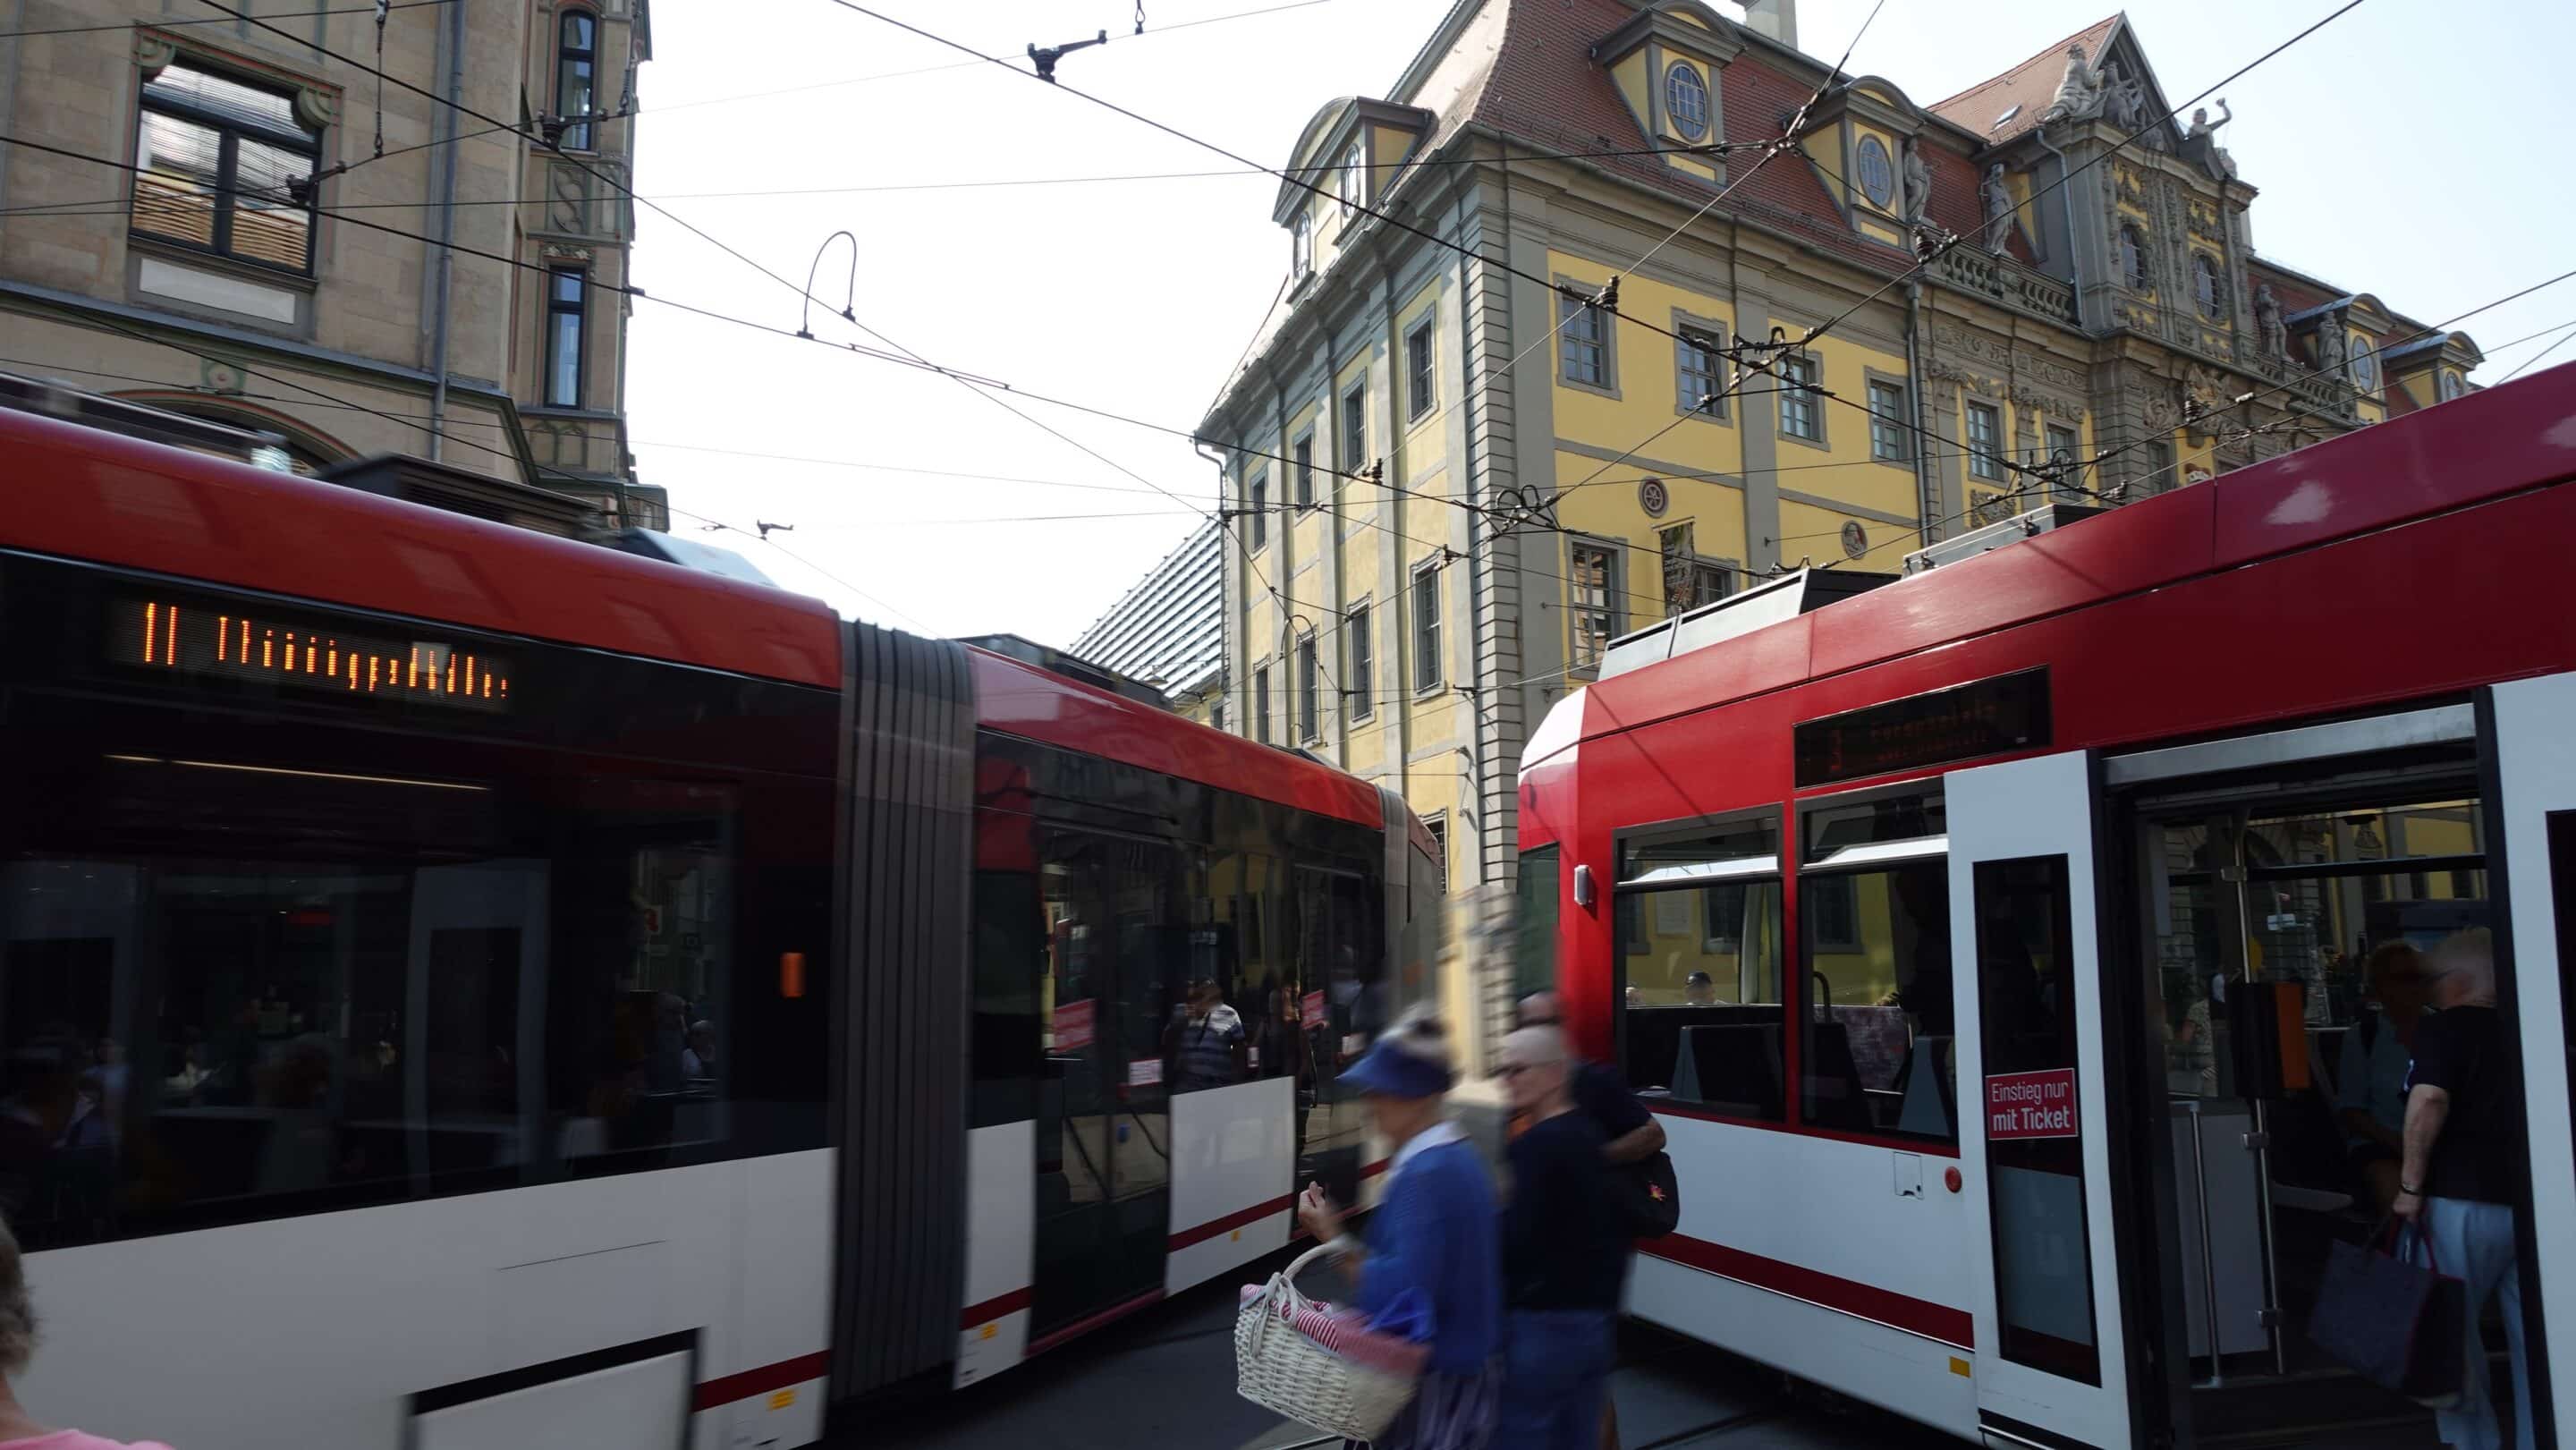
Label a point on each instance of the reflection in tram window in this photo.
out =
(1699, 918)
(1879, 1036)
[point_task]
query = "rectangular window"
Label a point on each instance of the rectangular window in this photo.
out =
(1216, 713)
(1421, 387)
(1304, 452)
(1592, 589)
(1426, 628)
(1887, 423)
(344, 954)
(576, 66)
(1874, 908)
(2160, 469)
(1355, 454)
(1259, 505)
(1261, 704)
(1437, 823)
(1985, 441)
(2061, 454)
(567, 314)
(1309, 705)
(1534, 939)
(1799, 414)
(1362, 653)
(225, 167)
(1698, 920)
(2027, 984)
(1699, 370)
(1583, 343)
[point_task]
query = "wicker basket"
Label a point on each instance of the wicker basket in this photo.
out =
(1281, 1369)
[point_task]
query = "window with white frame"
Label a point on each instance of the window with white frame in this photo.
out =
(1360, 649)
(1309, 691)
(2062, 446)
(1257, 503)
(1583, 342)
(1303, 450)
(1799, 414)
(1887, 423)
(1354, 178)
(1421, 378)
(1355, 455)
(1426, 627)
(1261, 704)
(1301, 245)
(1592, 597)
(1985, 441)
(1699, 371)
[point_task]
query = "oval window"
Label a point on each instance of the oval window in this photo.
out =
(1877, 172)
(1686, 101)
(2453, 385)
(2365, 361)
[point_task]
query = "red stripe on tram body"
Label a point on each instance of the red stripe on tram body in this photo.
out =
(994, 1308)
(1848, 1296)
(1203, 1232)
(764, 1379)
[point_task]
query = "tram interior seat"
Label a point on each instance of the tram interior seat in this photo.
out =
(1926, 1091)
(1830, 1080)
(1654, 1038)
(1733, 1068)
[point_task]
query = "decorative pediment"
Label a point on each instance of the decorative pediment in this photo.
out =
(1681, 26)
(1342, 122)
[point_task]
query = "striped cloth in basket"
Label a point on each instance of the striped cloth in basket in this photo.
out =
(1346, 1333)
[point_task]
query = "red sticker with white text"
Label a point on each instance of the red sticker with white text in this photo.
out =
(2023, 1105)
(1073, 1025)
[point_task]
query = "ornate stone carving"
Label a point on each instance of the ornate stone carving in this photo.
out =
(2272, 339)
(2079, 91)
(316, 107)
(214, 375)
(1999, 208)
(2201, 220)
(151, 52)
(567, 199)
(566, 252)
(2128, 186)
(2124, 97)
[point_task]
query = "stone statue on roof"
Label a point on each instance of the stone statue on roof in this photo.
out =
(2219, 161)
(2331, 353)
(2079, 93)
(1999, 208)
(1918, 183)
(2271, 337)
(2124, 97)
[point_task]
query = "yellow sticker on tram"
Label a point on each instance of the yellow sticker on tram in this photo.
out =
(988, 1331)
(782, 1399)
(1958, 1366)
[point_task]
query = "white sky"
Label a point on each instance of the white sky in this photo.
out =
(2405, 150)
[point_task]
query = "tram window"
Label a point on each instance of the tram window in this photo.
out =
(2026, 986)
(1880, 1027)
(1534, 955)
(1702, 1007)
(1878, 820)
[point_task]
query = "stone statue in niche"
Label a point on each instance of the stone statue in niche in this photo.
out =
(2079, 92)
(2124, 100)
(1918, 184)
(2271, 337)
(2331, 354)
(1998, 199)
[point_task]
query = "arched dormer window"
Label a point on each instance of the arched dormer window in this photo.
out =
(577, 75)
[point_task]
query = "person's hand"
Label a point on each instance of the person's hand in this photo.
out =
(1319, 1214)
(2408, 1205)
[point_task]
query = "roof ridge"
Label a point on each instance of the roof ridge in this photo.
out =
(2040, 54)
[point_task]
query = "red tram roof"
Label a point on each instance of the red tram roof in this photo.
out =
(2484, 447)
(93, 495)
(121, 501)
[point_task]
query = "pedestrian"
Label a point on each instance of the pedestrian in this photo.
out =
(18, 1431)
(1630, 1135)
(1564, 1250)
(2370, 1091)
(1432, 1249)
(1206, 1041)
(2463, 1171)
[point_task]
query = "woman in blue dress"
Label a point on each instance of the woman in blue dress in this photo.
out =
(1431, 1248)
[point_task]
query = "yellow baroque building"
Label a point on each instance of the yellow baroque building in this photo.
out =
(1453, 469)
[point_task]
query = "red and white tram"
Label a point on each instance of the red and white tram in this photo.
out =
(460, 986)
(2156, 782)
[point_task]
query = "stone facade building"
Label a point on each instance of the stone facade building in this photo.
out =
(232, 218)
(1451, 479)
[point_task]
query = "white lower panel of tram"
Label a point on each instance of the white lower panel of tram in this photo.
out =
(317, 1331)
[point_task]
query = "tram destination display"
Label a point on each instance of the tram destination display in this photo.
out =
(1995, 716)
(191, 639)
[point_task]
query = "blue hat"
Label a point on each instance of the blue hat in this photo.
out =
(1389, 1070)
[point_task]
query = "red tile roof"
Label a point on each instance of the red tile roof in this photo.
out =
(2030, 85)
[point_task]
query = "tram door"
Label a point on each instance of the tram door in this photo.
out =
(1116, 932)
(2034, 1137)
(2535, 766)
